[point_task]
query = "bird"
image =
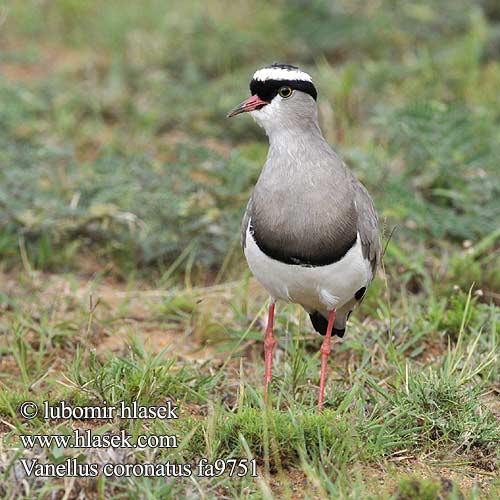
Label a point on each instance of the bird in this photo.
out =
(310, 230)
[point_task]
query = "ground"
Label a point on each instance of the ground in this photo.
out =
(121, 278)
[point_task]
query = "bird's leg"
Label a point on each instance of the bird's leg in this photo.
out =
(326, 347)
(269, 343)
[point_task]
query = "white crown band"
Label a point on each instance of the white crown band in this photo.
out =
(277, 73)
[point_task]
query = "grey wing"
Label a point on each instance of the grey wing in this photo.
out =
(367, 226)
(245, 222)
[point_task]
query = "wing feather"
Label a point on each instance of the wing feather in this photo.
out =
(367, 225)
(245, 222)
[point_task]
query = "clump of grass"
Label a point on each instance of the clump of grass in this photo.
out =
(440, 406)
(440, 409)
(140, 376)
(419, 488)
(279, 439)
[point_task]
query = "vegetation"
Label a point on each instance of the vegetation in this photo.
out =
(122, 187)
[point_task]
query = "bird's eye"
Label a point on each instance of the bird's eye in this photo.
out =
(285, 92)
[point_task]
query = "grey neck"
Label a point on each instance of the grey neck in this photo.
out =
(295, 134)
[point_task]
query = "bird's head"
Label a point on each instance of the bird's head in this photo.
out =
(282, 97)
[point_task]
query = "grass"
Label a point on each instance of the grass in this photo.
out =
(121, 191)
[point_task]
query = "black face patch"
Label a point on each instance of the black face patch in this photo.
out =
(268, 89)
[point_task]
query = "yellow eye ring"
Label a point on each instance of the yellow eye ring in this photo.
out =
(285, 92)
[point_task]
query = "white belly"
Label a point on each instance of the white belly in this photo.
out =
(316, 288)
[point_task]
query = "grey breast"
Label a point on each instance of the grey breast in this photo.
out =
(303, 210)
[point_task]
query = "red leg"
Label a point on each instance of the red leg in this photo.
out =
(269, 343)
(326, 347)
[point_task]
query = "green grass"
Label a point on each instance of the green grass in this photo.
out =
(122, 187)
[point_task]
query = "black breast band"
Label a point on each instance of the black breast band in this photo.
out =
(295, 258)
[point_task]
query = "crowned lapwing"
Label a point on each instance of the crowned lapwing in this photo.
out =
(310, 230)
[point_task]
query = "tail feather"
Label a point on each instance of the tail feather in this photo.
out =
(320, 324)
